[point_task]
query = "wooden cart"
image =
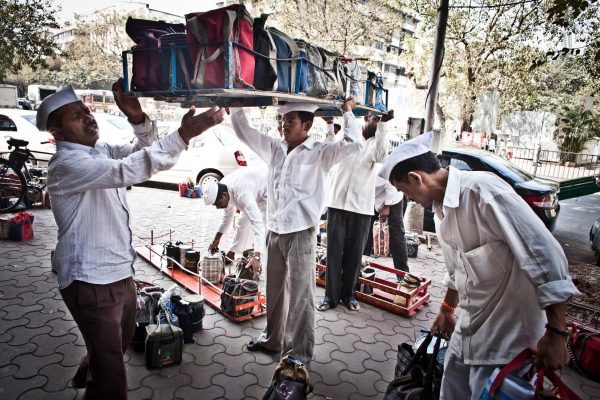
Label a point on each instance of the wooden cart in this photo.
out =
(384, 291)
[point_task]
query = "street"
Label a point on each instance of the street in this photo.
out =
(573, 227)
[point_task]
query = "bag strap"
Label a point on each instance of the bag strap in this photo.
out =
(428, 383)
(563, 390)
(421, 351)
(511, 367)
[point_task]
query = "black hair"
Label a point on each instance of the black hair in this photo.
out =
(338, 126)
(221, 189)
(305, 116)
(426, 162)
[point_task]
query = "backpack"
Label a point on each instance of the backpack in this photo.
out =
(207, 33)
(265, 70)
(287, 52)
(146, 64)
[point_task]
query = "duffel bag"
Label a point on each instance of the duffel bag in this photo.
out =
(584, 348)
(213, 268)
(316, 80)
(335, 74)
(237, 292)
(265, 69)
(164, 343)
(206, 34)
(146, 64)
(287, 52)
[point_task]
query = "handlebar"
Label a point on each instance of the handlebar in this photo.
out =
(12, 142)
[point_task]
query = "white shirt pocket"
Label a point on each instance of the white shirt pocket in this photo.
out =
(482, 264)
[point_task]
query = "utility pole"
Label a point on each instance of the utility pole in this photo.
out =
(415, 213)
(436, 66)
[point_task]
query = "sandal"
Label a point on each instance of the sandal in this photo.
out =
(324, 305)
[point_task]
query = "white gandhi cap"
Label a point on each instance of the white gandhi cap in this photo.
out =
(409, 149)
(52, 103)
(291, 107)
(210, 193)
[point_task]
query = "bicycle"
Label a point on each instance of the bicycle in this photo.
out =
(16, 181)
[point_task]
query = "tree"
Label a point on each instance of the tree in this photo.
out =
(25, 31)
(575, 128)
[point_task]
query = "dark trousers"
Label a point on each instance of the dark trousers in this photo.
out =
(346, 236)
(105, 315)
(397, 238)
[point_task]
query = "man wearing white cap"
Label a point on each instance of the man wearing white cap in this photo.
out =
(297, 169)
(350, 213)
(94, 257)
(245, 189)
(504, 269)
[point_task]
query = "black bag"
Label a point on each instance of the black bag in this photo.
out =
(238, 292)
(419, 378)
(184, 314)
(197, 305)
(145, 312)
(369, 274)
(164, 343)
(286, 390)
(242, 270)
(265, 70)
(287, 51)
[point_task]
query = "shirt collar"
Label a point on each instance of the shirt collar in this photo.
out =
(309, 143)
(452, 196)
(64, 145)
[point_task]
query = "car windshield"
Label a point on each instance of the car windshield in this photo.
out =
(226, 138)
(506, 169)
(29, 118)
(120, 123)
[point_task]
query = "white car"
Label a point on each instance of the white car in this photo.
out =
(210, 156)
(20, 124)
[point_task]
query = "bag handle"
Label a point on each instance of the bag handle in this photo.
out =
(509, 368)
(421, 351)
(563, 390)
(428, 384)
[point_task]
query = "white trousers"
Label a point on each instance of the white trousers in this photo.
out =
(461, 381)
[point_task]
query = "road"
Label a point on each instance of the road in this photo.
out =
(573, 227)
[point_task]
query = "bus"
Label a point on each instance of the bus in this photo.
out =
(98, 100)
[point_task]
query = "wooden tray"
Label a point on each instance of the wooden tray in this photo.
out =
(384, 292)
(212, 293)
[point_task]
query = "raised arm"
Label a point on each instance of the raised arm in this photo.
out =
(351, 142)
(258, 142)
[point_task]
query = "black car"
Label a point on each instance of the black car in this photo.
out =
(540, 194)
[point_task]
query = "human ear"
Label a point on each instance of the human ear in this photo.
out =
(414, 178)
(56, 134)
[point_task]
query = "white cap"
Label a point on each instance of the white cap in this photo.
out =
(52, 103)
(210, 193)
(291, 107)
(409, 149)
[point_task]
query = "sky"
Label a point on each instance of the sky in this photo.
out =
(178, 7)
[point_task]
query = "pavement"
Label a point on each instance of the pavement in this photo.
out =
(40, 345)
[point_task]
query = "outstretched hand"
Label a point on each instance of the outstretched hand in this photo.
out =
(193, 125)
(128, 104)
(349, 104)
(387, 117)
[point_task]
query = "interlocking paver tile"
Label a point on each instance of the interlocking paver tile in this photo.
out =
(24, 334)
(233, 345)
(164, 386)
(11, 388)
(255, 392)
(16, 311)
(202, 375)
(385, 368)
(344, 343)
(336, 328)
(386, 327)
(203, 355)
(377, 351)
(340, 391)
(135, 375)
(329, 372)
(59, 377)
(30, 365)
(266, 358)
(43, 318)
(141, 393)
(234, 391)
(135, 358)
(29, 298)
(46, 347)
(234, 365)
(188, 393)
(367, 335)
(233, 329)
(210, 319)
(71, 354)
(37, 394)
(8, 353)
(263, 373)
(322, 352)
(354, 361)
(8, 370)
(207, 337)
(364, 381)
(321, 331)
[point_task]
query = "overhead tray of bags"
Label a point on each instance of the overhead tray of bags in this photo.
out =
(227, 58)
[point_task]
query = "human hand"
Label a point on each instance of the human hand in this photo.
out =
(193, 125)
(444, 325)
(552, 353)
(128, 104)
(387, 117)
(214, 245)
(329, 120)
(384, 212)
(349, 104)
(230, 256)
(255, 266)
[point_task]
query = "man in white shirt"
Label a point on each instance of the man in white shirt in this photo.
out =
(388, 204)
(245, 189)
(94, 256)
(297, 169)
(350, 213)
(506, 271)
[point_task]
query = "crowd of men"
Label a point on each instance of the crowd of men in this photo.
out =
(498, 253)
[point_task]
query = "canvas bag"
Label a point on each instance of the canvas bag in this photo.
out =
(164, 343)
(287, 52)
(265, 70)
(21, 226)
(303, 70)
(146, 65)
(316, 79)
(213, 268)
(381, 239)
(206, 34)
(234, 288)
(584, 348)
(355, 82)
(174, 45)
(334, 72)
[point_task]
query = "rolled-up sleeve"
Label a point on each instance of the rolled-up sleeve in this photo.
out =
(536, 251)
(146, 133)
(351, 142)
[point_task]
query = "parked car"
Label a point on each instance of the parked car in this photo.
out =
(595, 240)
(210, 156)
(540, 194)
(20, 124)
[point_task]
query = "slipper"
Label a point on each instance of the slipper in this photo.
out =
(353, 305)
(324, 305)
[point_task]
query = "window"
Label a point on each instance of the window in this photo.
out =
(460, 164)
(7, 124)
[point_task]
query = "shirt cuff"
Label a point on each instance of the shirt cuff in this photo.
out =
(173, 143)
(236, 110)
(143, 129)
(448, 282)
(556, 292)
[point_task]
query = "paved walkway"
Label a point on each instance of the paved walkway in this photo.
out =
(40, 346)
